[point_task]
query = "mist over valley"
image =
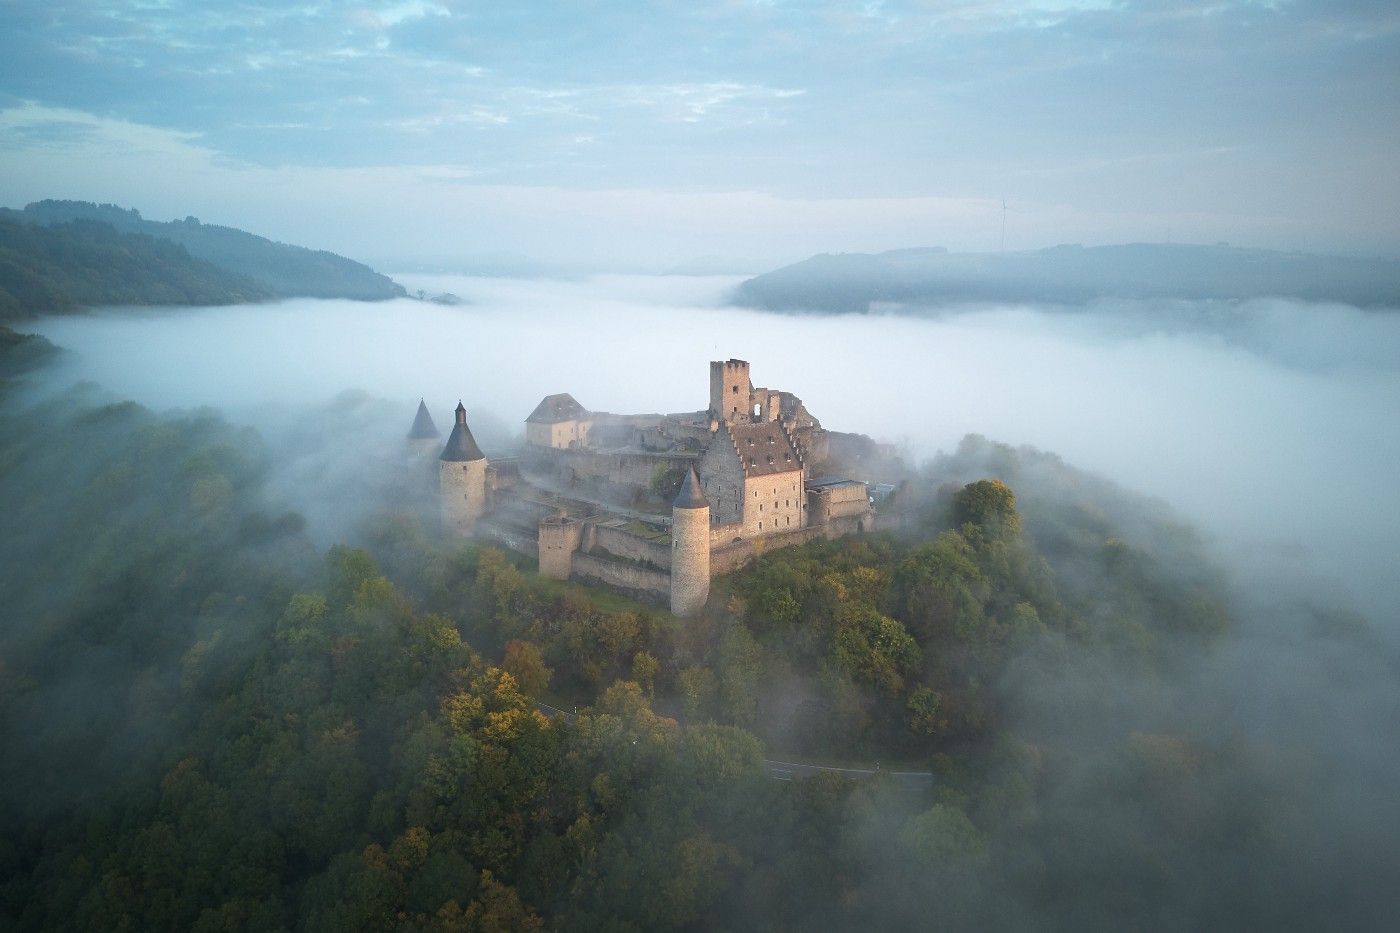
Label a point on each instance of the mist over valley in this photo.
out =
(1238, 415)
(438, 496)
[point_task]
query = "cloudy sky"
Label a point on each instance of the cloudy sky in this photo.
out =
(611, 135)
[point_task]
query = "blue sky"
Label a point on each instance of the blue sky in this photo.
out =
(618, 135)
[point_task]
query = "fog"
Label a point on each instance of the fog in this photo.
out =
(1268, 424)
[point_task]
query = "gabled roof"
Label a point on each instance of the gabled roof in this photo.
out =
(690, 495)
(556, 408)
(764, 449)
(423, 427)
(461, 446)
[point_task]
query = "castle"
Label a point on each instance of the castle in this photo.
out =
(655, 505)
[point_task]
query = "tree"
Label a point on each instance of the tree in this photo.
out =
(644, 668)
(696, 685)
(990, 504)
(739, 665)
(525, 663)
(876, 648)
(924, 712)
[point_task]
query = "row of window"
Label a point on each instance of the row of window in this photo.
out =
(793, 488)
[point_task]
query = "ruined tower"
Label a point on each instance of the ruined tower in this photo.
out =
(690, 548)
(461, 478)
(731, 392)
(423, 436)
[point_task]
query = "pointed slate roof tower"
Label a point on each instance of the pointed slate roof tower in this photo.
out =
(691, 496)
(461, 446)
(423, 428)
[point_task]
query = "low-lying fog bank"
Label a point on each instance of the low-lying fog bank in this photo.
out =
(1269, 424)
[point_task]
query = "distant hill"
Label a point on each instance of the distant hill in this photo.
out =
(20, 353)
(282, 270)
(48, 269)
(853, 282)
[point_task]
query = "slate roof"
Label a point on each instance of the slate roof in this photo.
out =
(690, 495)
(764, 449)
(423, 427)
(556, 408)
(461, 446)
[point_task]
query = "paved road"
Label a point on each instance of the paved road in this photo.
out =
(793, 770)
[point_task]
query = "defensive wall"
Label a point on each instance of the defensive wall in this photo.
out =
(633, 579)
(647, 548)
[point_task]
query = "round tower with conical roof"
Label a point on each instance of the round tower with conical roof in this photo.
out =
(462, 478)
(423, 436)
(690, 548)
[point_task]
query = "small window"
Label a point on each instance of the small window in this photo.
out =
(735, 390)
(760, 526)
(760, 506)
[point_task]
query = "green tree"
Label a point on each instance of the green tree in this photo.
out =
(644, 668)
(989, 504)
(525, 663)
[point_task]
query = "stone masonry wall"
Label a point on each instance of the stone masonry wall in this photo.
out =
(559, 539)
(722, 479)
(773, 503)
(509, 537)
(624, 543)
(730, 390)
(652, 584)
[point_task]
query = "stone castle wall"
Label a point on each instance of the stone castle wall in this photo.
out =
(654, 585)
(632, 469)
(832, 503)
(722, 535)
(510, 538)
(624, 543)
(729, 555)
(773, 503)
(722, 480)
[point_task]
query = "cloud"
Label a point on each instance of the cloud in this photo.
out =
(1075, 105)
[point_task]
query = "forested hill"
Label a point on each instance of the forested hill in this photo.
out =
(281, 269)
(44, 270)
(1069, 275)
(207, 724)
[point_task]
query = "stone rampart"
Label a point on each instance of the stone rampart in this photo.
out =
(624, 543)
(732, 555)
(630, 578)
(509, 538)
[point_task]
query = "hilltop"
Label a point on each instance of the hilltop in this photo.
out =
(44, 270)
(209, 264)
(1069, 275)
